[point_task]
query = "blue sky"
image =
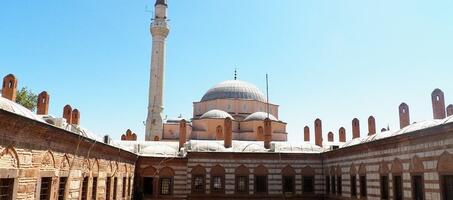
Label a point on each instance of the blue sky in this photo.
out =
(335, 60)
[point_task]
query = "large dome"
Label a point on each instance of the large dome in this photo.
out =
(234, 89)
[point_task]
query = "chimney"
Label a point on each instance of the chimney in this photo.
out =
(182, 132)
(129, 136)
(342, 134)
(228, 139)
(318, 132)
(267, 133)
(330, 137)
(404, 115)
(371, 125)
(449, 110)
(306, 134)
(438, 101)
(9, 89)
(43, 103)
(107, 139)
(67, 114)
(355, 128)
(75, 117)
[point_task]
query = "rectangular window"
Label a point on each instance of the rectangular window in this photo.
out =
(327, 184)
(198, 184)
(397, 188)
(46, 184)
(261, 184)
(217, 184)
(447, 182)
(339, 185)
(62, 187)
(353, 186)
(124, 187)
(115, 187)
(148, 185)
(308, 184)
(385, 187)
(94, 191)
(288, 184)
(242, 184)
(417, 187)
(363, 186)
(129, 181)
(108, 184)
(165, 186)
(6, 188)
(332, 180)
(85, 188)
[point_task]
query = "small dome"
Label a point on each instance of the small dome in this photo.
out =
(260, 116)
(216, 114)
(234, 89)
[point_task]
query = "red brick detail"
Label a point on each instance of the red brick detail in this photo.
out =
(9, 88)
(445, 164)
(330, 137)
(67, 114)
(355, 128)
(182, 132)
(384, 168)
(404, 115)
(129, 136)
(267, 133)
(318, 132)
(288, 171)
(449, 110)
(371, 125)
(76, 117)
(353, 170)
(438, 101)
(306, 134)
(228, 141)
(42, 107)
(342, 134)
(416, 165)
(397, 166)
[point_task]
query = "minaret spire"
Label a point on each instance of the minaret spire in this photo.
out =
(235, 73)
(159, 31)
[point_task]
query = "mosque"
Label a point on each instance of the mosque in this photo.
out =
(235, 146)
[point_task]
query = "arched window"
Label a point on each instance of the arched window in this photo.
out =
(339, 180)
(308, 180)
(219, 133)
(242, 180)
(218, 180)
(198, 179)
(445, 169)
(288, 180)
(166, 181)
(384, 172)
(397, 173)
(260, 133)
(149, 182)
(416, 170)
(353, 174)
(362, 180)
(333, 183)
(261, 179)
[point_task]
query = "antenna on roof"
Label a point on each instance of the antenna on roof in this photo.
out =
(267, 94)
(235, 73)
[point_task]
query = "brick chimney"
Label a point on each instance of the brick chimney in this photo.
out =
(318, 132)
(404, 115)
(330, 137)
(42, 108)
(129, 136)
(342, 134)
(371, 125)
(182, 132)
(76, 117)
(306, 134)
(355, 128)
(9, 88)
(267, 133)
(449, 110)
(228, 139)
(67, 114)
(438, 101)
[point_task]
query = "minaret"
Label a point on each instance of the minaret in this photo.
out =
(159, 31)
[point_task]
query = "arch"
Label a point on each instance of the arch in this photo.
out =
(260, 133)
(397, 166)
(416, 165)
(242, 170)
(307, 171)
(86, 166)
(260, 170)
(353, 170)
(148, 171)
(219, 133)
(332, 171)
(198, 170)
(445, 163)
(217, 170)
(64, 163)
(9, 158)
(362, 169)
(48, 160)
(288, 171)
(338, 171)
(384, 168)
(166, 172)
(95, 165)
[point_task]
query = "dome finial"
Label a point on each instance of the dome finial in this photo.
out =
(235, 73)
(161, 2)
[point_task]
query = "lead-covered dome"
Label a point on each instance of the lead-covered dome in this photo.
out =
(260, 116)
(216, 114)
(234, 89)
